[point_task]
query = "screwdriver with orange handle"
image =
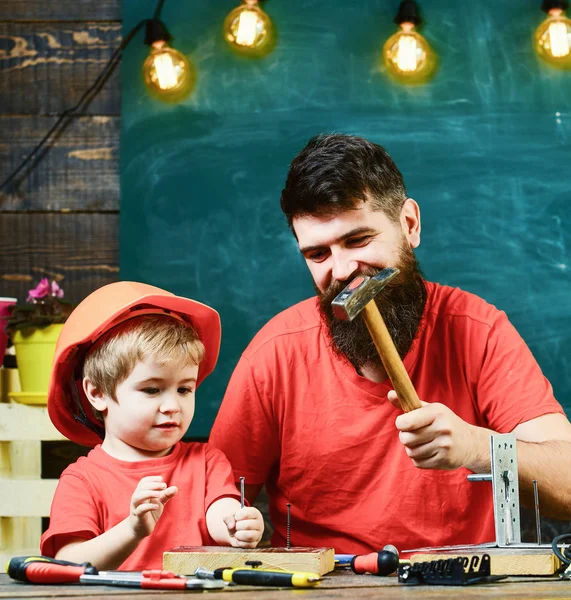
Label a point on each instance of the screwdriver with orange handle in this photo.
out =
(43, 569)
(383, 562)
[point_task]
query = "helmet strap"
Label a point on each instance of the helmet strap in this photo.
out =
(79, 412)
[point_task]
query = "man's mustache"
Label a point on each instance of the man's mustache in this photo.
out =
(401, 304)
(336, 287)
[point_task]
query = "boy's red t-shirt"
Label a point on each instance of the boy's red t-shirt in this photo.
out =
(301, 419)
(94, 494)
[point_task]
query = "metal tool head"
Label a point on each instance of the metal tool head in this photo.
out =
(351, 301)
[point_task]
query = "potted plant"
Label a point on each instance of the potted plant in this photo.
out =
(34, 327)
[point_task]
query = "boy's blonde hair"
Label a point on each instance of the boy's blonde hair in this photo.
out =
(113, 357)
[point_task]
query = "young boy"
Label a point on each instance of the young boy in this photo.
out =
(127, 364)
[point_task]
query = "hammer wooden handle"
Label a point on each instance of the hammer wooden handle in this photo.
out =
(391, 360)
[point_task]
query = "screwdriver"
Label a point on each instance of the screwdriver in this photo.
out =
(256, 576)
(44, 569)
(383, 562)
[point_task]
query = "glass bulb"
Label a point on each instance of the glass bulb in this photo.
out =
(249, 30)
(408, 57)
(553, 39)
(167, 73)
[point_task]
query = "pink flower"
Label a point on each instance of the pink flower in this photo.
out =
(43, 289)
(40, 291)
(56, 290)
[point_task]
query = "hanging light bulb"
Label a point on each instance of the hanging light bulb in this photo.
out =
(168, 75)
(249, 30)
(407, 55)
(552, 38)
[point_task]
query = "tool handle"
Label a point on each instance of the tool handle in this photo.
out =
(391, 360)
(269, 578)
(43, 569)
(255, 577)
(377, 563)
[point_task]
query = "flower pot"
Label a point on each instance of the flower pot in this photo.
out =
(35, 349)
(9, 384)
(5, 304)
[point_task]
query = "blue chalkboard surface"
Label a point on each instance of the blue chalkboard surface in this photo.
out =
(484, 149)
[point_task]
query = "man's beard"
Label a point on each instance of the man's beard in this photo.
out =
(401, 304)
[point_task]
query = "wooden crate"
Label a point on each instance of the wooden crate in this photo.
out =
(25, 498)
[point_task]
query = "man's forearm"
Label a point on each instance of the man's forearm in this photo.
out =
(547, 462)
(543, 461)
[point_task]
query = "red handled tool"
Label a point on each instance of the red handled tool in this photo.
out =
(384, 562)
(43, 569)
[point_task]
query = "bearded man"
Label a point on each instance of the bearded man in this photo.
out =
(311, 413)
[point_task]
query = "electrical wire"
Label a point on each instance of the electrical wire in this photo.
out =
(158, 9)
(564, 557)
(66, 117)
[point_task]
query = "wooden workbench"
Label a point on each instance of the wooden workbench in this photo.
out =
(336, 585)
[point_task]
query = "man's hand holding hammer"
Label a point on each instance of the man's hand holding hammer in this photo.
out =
(434, 437)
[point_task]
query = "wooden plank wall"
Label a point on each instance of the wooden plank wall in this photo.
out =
(61, 221)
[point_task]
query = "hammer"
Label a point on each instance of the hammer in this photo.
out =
(359, 296)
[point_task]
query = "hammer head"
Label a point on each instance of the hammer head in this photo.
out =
(351, 301)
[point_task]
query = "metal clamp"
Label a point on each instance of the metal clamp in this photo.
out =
(505, 488)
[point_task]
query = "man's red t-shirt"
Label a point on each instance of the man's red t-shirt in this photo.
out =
(94, 494)
(300, 418)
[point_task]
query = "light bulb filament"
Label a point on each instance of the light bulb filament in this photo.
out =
(406, 57)
(249, 30)
(167, 76)
(247, 26)
(558, 40)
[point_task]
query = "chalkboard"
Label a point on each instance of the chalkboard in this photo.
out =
(484, 149)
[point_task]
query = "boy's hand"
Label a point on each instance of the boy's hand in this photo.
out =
(147, 504)
(245, 527)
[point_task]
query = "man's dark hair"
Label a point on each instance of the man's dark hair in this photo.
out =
(334, 170)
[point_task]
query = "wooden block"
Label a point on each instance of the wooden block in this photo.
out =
(26, 497)
(505, 561)
(19, 422)
(20, 532)
(184, 560)
(9, 382)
